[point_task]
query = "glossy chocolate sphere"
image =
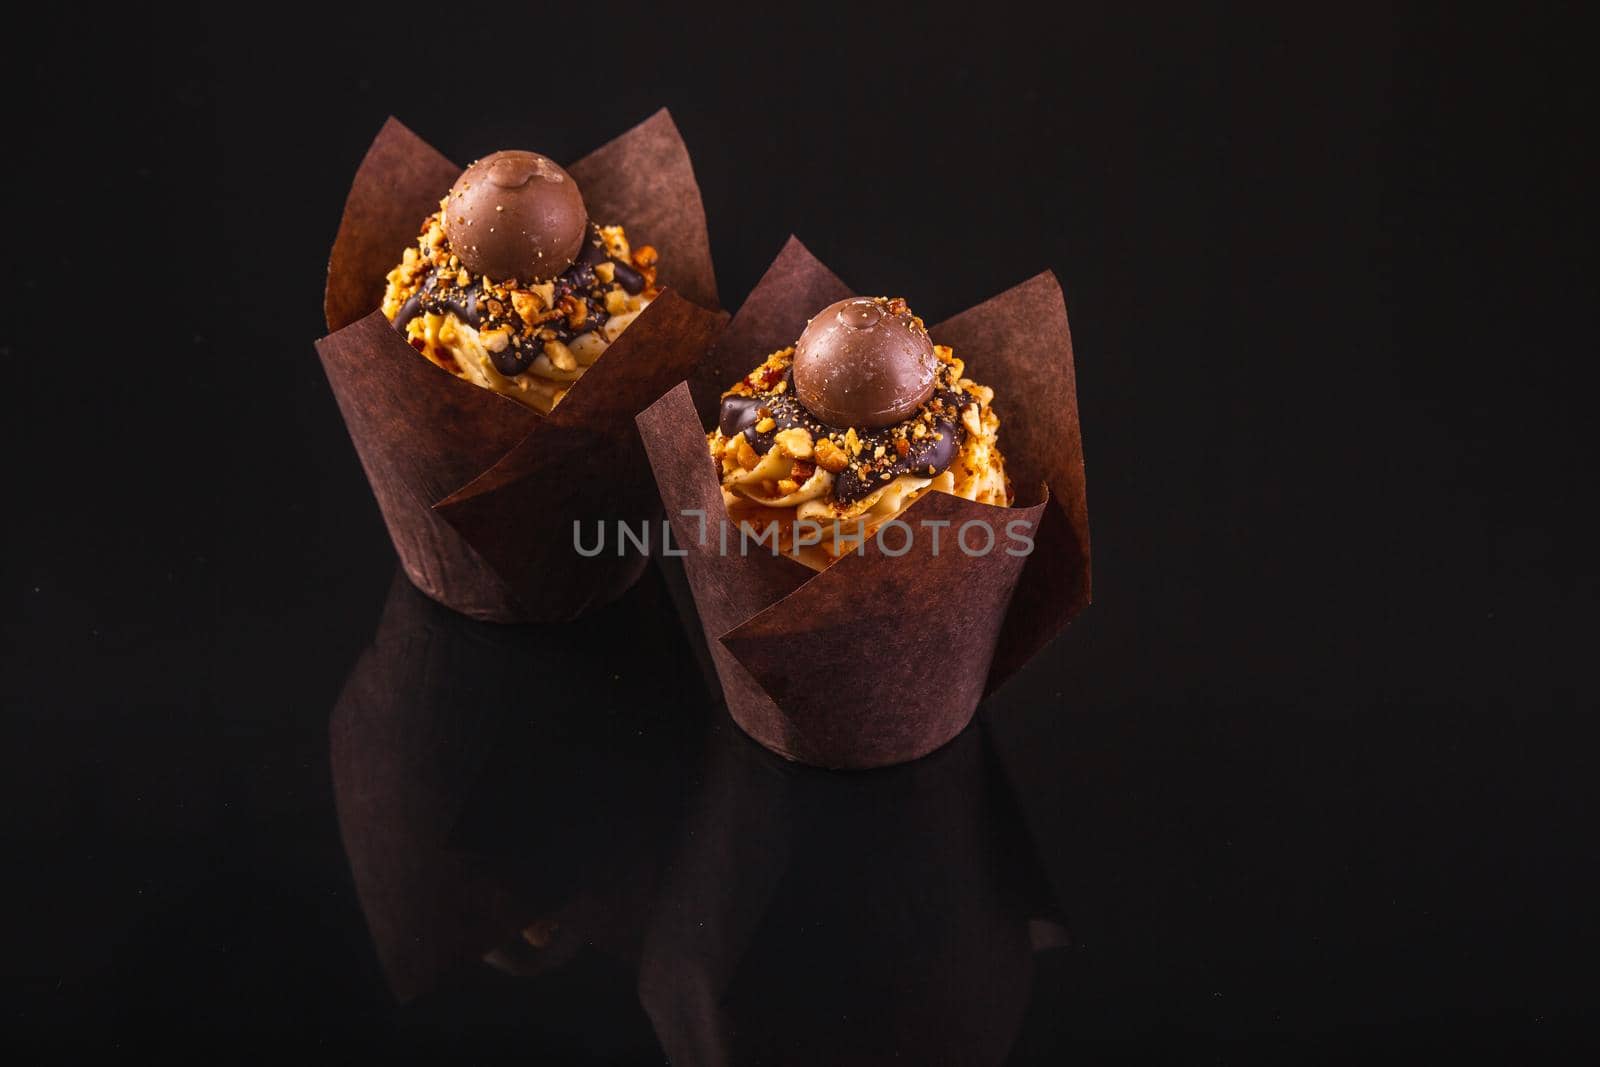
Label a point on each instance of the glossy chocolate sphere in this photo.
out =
(515, 215)
(861, 364)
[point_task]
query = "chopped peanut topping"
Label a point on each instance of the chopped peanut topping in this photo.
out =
(527, 307)
(969, 419)
(830, 457)
(747, 455)
(616, 243)
(546, 292)
(560, 355)
(576, 311)
(795, 442)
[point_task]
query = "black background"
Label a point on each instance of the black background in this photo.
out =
(1312, 771)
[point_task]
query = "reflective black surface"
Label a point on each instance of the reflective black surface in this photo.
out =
(1312, 777)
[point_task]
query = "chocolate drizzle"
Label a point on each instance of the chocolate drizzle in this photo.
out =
(441, 293)
(439, 296)
(927, 456)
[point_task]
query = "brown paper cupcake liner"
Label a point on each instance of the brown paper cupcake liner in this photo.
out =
(882, 658)
(480, 493)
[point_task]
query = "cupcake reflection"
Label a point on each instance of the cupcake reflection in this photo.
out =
(459, 750)
(811, 917)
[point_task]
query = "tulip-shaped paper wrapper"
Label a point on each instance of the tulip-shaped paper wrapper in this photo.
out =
(480, 493)
(884, 657)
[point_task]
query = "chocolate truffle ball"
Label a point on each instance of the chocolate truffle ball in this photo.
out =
(859, 364)
(515, 215)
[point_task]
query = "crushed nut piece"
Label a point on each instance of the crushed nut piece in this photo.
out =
(527, 306)
(730, 453)
(575, 310)
(560, 355)
(830, 457)
(747, 455)
(616, 242)
(795, 442)
(969, 419)
(766, 425)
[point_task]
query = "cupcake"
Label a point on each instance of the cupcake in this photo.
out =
(512, 287)
(841, 432)
(494, 330)
(865, 562)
